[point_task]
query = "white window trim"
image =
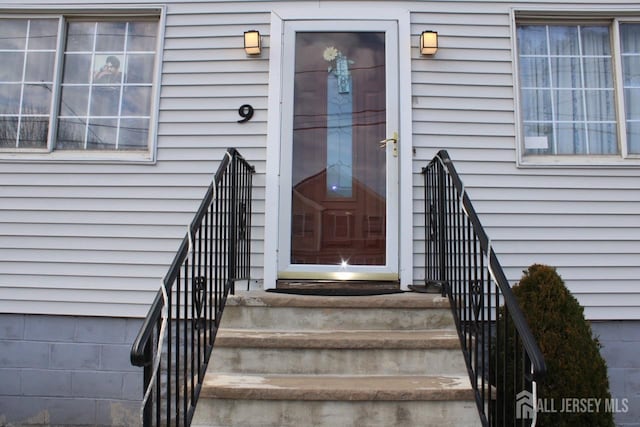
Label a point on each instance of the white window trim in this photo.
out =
(62, 12)
(597, 14)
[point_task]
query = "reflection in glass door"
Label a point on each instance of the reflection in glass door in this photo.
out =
(338, 166)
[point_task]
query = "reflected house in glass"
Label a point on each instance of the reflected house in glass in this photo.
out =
(331, 230)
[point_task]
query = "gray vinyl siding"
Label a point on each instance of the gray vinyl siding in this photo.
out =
(95, 239)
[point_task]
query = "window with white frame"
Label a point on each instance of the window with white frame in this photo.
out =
(74, 84)
(572, 76)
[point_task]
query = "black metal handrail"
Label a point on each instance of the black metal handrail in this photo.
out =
(503, 359)
(176, 339)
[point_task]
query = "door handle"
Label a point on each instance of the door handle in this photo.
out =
(393, 140)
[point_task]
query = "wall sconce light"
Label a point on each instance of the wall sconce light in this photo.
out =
(252, 42)
(428, 43)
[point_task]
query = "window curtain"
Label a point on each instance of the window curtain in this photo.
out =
(566, 78)
(630, 42)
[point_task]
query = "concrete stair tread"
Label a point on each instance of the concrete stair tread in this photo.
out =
(337, 387)
(399, 300)
(338, 339)
(286, 360)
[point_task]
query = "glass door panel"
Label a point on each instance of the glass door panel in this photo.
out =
(338, 205)
(338, 181)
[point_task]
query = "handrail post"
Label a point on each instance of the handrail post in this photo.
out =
(249, 208)
(147, 413)
(428, 226)
(442, 245)
(233, 231)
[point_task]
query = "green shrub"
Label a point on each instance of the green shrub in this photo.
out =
(575, 367)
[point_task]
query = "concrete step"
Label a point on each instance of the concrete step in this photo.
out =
(340, 339)
(337, 387)
(415, 352)
(290, 400)
(292, 360)
(402, 311)
(301, 413)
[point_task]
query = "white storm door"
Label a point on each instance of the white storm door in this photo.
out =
(339, 151)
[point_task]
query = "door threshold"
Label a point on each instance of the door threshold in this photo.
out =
(337, 288)
(337, 276)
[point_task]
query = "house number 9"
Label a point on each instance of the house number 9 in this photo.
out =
(246, 112)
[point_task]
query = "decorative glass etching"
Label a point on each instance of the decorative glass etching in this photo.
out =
(339, 125)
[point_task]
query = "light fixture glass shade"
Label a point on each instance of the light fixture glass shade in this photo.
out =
(428, 43)
(252, 45)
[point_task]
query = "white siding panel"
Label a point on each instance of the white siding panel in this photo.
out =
(471, 104)
(98, 305)
(220, 78)
(212, 91)
(584, 221)
(96, 239)
(170, 105)
(461, 90)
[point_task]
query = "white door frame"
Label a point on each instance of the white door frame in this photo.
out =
(273, 221)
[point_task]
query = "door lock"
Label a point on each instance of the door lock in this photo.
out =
(393, 140)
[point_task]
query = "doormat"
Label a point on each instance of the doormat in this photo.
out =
(335, 291)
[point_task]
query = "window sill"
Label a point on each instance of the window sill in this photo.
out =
(129, 157)
(579, 161)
